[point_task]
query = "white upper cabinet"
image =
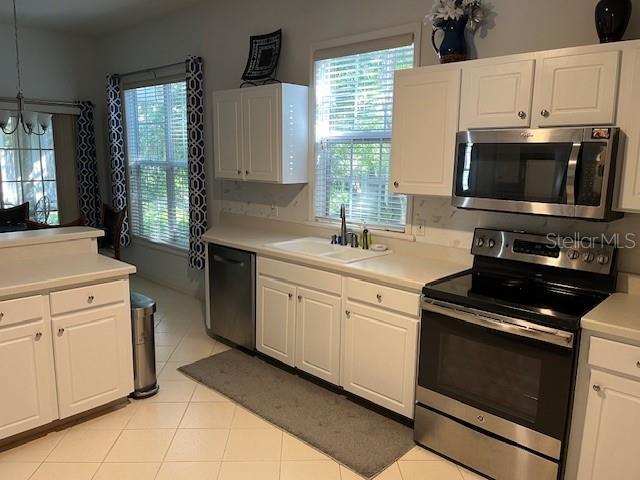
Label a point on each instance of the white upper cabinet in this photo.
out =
(261, 133)
(576, 89)
(629, 123)
(227, 121)
(425, 121)
(261, 130)
(497, 95)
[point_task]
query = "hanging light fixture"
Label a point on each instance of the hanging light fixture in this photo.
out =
(26, 120)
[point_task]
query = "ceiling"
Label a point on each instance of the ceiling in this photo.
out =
(87, 17)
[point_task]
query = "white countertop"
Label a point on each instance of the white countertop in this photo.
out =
(47, 235)
(403, 271)
(618, 315)
(23, 277)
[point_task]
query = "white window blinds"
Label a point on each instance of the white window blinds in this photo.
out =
(354, 100)
(156, 123)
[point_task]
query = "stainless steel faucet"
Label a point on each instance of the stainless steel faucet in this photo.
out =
(343, 225)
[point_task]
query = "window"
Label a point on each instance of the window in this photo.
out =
(28, 173)
(156, 121)
(354, 99)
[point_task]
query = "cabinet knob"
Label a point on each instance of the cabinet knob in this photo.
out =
(38, 336)
(90, 299)
(347, 313)
(638, 364)
(596, 388)
(379, 297)
(239, 172)
(299, 298)
(60, 331)
(1, 315)
(246, 172)
(396, 184)
(290, 295)
(522, 114)
(545, 113)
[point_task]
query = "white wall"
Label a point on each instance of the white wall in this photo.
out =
(218, 30)
(55, 66)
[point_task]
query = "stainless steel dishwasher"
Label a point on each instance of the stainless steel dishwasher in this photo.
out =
(232, 296)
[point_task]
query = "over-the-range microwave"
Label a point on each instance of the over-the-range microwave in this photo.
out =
(565, 172)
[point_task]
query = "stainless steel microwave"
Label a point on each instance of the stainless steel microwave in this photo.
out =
(564, 172)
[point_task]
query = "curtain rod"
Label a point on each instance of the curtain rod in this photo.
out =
(150, 70)
(38, 101)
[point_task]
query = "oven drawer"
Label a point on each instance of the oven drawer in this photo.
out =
(87, 297)
(616, 356)
(385, 297)
(21, 310)
(470, 448)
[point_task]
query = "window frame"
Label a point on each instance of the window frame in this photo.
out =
(132, 85)
(350, 44)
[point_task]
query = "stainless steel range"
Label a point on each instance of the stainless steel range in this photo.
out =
(498, 352)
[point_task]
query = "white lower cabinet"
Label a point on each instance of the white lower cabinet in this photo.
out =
(56, 367)
(318, 334)
(609, 448)
(380, 351)
(610, 440)
(370, 351)
(28, 396)
(275, 319)
(93, 358)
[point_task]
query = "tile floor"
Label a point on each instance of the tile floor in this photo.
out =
(188, 432)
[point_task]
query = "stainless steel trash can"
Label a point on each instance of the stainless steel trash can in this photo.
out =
(144, 347)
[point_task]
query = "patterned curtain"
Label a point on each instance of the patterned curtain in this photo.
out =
(87, 166)
(197, 185)
(116, 152)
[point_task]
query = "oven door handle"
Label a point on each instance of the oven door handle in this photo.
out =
(500, 323)
(572, 168)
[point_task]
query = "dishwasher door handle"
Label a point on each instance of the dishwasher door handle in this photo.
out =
(228, 261)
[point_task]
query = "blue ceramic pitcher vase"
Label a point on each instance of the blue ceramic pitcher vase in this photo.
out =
(453, 47)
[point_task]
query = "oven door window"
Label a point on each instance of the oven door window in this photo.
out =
(524, 172)
(523, 380)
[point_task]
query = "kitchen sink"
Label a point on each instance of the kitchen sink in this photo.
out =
(321, 248)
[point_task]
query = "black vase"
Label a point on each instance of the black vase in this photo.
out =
(612, 19)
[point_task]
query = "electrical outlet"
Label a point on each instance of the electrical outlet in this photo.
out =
(419, 228)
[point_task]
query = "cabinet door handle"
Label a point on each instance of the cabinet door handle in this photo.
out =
(347, 313)
(239, 172)
(1, 315)
(246, 172)
(290, 296)
(379, 297)
(545, 113)
(60, 331)
(596, 388)
(638, 364)
(522, 114)
(38, 336)
(90, 299)
(299, 298)
(396, 184)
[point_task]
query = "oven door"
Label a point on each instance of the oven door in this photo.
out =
(521, 171)
(497, 374)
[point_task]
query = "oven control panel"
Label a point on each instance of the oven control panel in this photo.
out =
(584, 253)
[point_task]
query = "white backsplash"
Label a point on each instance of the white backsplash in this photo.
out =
(444, 224)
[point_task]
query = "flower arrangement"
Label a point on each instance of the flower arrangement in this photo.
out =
(444, 10)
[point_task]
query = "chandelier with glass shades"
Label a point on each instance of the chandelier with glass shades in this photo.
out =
(25, 119)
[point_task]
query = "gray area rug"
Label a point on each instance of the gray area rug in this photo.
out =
(362, 440)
